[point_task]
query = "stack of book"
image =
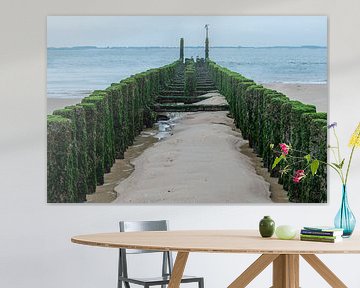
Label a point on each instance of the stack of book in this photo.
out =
(321, 234)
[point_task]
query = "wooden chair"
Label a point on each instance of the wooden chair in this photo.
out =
(167, 262)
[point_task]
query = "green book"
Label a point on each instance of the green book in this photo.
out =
(325, 240)
(319, 236)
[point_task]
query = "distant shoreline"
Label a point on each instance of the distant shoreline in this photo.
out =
(175, 47)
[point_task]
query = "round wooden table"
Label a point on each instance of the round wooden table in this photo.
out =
(284, 254)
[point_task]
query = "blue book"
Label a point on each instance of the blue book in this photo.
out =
(322, 231)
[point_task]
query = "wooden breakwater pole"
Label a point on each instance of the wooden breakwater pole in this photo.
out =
(193, 87)
(84, 140)
(207, 42)
(182, 50)
(266, 117)
(190, 78)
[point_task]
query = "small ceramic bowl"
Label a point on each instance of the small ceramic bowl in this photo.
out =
(285, 232)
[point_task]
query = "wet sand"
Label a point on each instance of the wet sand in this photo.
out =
(122, 168)
(200, 163)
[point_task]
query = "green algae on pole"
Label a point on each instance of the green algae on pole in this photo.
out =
(182, 50)
(85, 139)
(60, 160)
(190, 77)
(266, 117)
(77, 116)
(90, 120)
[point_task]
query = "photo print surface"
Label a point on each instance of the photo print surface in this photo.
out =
(187, 109)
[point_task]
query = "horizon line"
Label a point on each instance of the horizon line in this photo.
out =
(191, 46)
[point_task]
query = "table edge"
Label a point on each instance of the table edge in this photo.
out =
(203, 250)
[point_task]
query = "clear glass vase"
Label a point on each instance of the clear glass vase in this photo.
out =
(345, 219)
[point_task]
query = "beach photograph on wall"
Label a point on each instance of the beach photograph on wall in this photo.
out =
(187, 109)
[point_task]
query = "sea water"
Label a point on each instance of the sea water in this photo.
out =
(75, 72)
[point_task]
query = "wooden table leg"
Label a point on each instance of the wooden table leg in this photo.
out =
(293, 264)
(286, 271)
(178, 269)
(324, 271)
(253, 270)
(279, 269)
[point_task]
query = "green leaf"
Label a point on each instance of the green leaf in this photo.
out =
(285, 170)
(336, 165)
(308, 158)
(314, 166)
(271, 146)
(339, 166)
(342, 163)
(277, 161)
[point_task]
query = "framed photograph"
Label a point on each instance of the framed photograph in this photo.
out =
(187, 109)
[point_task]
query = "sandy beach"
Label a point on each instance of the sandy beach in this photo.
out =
(57, 103)
(316, 94)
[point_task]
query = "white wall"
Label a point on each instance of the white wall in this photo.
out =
(35, 248)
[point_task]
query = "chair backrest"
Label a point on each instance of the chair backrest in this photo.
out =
(134, 226)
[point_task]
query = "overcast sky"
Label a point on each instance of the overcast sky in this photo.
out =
(67, 31)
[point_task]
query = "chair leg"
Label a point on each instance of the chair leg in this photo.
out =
(201, 283)
(126, 284)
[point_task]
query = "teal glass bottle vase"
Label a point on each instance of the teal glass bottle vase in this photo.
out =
(345, 219)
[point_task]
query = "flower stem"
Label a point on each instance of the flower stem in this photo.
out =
(350, 159)
(336, 169)
(340, 171)
(338, 146)
(348, 167)
(333, 152)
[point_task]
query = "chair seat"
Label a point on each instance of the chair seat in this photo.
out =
(158, 280)
(167, 262)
